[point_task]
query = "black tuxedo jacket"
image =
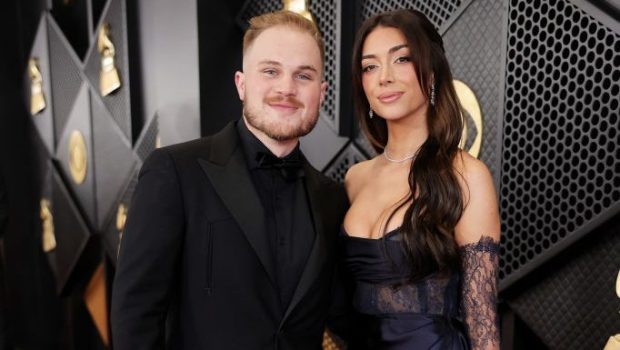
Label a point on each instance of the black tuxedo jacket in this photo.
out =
(195, 270)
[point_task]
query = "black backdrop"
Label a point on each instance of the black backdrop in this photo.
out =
(555, 291)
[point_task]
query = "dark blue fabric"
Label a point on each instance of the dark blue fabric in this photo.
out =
(393, 313)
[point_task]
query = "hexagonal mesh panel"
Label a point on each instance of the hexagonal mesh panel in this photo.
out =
(436, 11)
(561, 156)
(326, 13)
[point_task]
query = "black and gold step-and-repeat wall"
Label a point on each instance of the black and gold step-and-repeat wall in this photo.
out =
(107, 81)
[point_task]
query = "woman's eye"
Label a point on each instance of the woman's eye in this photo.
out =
(368, 68)
(403, 59)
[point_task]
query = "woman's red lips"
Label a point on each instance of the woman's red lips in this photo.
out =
(390, 96)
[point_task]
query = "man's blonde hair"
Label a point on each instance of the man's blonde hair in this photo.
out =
(282, 18)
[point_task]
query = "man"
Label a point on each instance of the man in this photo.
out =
(229, 242)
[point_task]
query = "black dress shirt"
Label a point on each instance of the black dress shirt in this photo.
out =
(288, 219)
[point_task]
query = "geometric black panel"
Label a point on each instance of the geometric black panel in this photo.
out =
(73, 18)
(80, 120)
(561, 144)
(113, 158)
(575, 305)
(65, 73)
(111, 234)
(147, 141)
(118, 102)
(71, 231)
(44, 120)
(41, 166)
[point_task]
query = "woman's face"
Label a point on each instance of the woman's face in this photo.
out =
(389, 78)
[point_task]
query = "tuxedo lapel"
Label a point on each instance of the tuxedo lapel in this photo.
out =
(317, 257)
(227, 170)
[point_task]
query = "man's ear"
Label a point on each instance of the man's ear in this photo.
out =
(323, 91)
(240, 84)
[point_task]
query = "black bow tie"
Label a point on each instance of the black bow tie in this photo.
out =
(289, 168)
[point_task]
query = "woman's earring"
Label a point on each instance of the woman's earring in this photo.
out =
(370, 113)
(433, 94)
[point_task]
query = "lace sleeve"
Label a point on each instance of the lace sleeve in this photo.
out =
(480, 264)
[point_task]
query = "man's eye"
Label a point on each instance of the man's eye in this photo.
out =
(304, 77)
(270, 71)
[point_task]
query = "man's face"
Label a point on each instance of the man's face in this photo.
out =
(281, 84)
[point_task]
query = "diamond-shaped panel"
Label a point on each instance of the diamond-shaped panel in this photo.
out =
(147, 141)
(65, 73)
(44, 120)
(71, 232)
(80, 120)
(113, 158)
(118, 102)
(575, 306)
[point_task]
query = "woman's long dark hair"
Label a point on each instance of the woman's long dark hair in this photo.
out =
(435, 202)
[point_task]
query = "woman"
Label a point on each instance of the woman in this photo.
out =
(421, 238)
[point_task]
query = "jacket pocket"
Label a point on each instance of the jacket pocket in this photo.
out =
(208, 286)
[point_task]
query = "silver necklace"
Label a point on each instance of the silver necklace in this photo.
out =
(392, 160)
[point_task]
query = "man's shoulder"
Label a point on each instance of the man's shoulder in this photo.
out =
(200, 146)
(187, 147)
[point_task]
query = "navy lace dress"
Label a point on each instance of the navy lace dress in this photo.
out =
(449, 311)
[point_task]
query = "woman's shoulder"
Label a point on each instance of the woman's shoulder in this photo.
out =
(357, 175)
(472, 170)
(480, 216)
(358, 170)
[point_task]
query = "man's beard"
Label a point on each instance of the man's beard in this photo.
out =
(279, 131)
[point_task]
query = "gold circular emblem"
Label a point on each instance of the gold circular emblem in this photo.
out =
(470, 104)
(78, 159)
(121, 216)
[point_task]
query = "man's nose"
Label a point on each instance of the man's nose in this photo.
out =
(287, 86)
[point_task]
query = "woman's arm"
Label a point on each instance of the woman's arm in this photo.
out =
(478, 235)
